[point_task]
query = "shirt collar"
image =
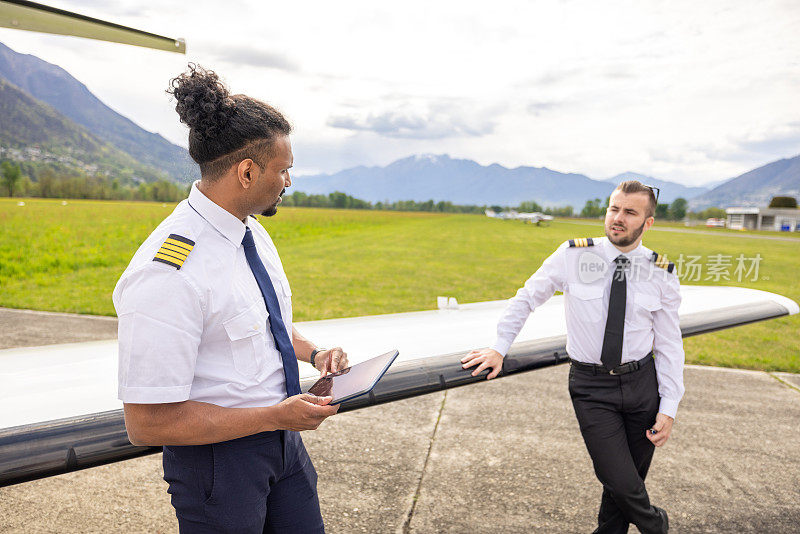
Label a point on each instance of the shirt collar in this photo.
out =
(224, 221)
(610, 252)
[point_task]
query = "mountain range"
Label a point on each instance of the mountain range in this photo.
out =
(40, 133)
(755, 187)
(669, 191)
(46, 113)
(463, 181)
(72, 101)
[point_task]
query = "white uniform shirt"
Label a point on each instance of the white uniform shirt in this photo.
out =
(201, 332)
(584, 275)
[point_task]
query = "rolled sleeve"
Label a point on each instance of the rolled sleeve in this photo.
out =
(668, 348)
(548, 279)
(160, 326)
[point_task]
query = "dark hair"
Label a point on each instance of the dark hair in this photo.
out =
(223, 128)
(635, 186)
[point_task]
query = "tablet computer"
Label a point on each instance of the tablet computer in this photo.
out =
(355, 380)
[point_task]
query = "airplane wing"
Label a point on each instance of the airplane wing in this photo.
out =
(59, 411)
(24, 15)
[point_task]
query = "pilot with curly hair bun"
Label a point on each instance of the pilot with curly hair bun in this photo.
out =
(207, 351)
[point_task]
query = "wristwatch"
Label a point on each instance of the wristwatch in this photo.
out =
(314, 353)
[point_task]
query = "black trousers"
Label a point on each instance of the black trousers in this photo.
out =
(614, 412)
(259, 484)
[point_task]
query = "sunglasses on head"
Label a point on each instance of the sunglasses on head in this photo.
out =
(655, 191)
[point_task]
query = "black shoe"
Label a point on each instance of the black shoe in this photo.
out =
(663, 514)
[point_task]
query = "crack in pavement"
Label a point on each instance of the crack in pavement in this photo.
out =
(407, 523)
(784, 382)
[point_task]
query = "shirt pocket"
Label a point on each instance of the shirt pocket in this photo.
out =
(587, 302)
(284, 292)
(283, 288)
(650, 303)
(287, 291)
(246, 333)
(644, 306)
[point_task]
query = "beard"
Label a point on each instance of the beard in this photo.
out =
(272, 210)
(624, 241)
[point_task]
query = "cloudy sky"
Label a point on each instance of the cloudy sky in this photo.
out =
(686, 91)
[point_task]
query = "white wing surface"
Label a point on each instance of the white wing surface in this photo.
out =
(68, 393)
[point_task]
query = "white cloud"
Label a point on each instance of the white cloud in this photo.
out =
(254, 57)
(431, 120)
(687, 91)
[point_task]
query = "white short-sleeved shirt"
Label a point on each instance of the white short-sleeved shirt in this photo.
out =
(584, 274)
(201, 332)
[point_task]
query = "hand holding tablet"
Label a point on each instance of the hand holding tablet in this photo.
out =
(355, 380)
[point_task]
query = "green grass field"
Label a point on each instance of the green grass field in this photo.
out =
(348, 263)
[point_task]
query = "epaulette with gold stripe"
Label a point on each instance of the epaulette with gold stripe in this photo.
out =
(662, 261)
(581, 242)
(174, 251)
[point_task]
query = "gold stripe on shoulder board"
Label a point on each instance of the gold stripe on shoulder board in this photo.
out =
(179, 244)
(174, 250)
(581, 242)
(663, 262)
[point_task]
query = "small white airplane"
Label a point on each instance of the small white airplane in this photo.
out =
(532, 217)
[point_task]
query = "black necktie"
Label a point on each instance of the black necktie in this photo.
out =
(611, 355)
(282, 341)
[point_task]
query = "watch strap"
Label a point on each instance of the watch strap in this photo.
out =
(314, 354)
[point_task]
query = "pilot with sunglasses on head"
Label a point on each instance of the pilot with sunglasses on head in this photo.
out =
(625, 348)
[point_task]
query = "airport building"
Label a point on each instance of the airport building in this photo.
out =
(777, 219)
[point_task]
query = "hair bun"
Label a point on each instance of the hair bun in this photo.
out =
(203, 102)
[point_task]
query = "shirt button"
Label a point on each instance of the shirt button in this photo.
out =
(255, 327)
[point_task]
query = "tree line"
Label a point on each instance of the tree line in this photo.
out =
(339, 200)
(677, 210)
(50, 183)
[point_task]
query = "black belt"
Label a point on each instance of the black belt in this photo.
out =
(619, 370)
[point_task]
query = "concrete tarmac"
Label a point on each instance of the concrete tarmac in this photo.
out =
(31, 328)
(501, 456)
